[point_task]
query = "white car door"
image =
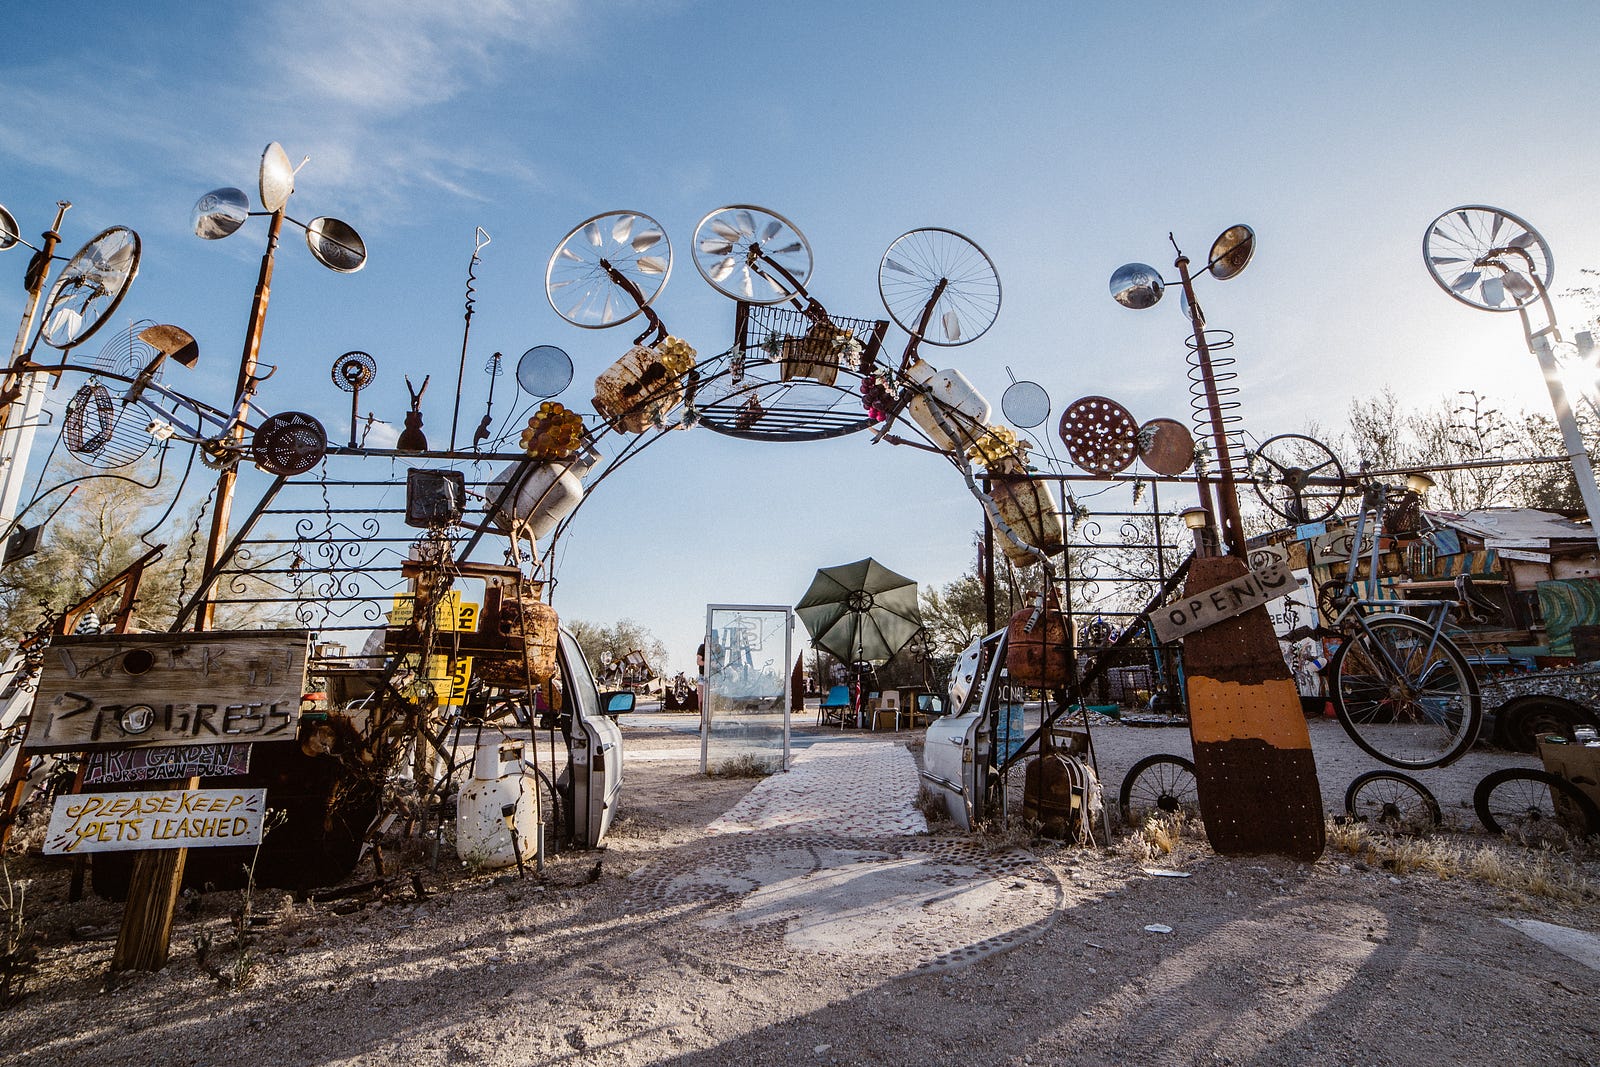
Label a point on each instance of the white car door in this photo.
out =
(596, 751)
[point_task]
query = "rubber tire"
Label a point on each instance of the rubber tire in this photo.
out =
(1560, 717)
(1431, 805)
(1481, 796)
(1125, 796)
(1450, 652)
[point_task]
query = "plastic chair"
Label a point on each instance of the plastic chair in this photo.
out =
(886, 704)
(836, 702)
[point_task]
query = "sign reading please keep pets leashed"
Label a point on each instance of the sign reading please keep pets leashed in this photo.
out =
(170, 818)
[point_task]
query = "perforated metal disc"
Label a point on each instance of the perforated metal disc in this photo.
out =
(544, 371)
(90, 287)
(354, 370)
(1025, 404)
(1166, 446)
(289, 443)
(1100, 435)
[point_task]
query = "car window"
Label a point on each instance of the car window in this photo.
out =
(580, 683)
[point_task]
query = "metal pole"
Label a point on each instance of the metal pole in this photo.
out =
(17, 444)
(242, 393)
(1231, 527)
(1582, 471)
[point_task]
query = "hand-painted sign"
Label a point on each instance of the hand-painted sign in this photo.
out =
(1234, 597)
(103, 766)
(169, 689)
(173, 818)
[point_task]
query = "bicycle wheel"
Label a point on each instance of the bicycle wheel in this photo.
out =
(551, 814)
(1161, 783)
(1534, 806)
(1393, 801)
(1404, 694)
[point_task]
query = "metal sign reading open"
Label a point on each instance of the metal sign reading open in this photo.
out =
(1222, 602)
(169, 689)
(171, 818)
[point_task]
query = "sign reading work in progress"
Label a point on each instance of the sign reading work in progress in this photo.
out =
(172, 818)
(169, 689)
(1196, 611)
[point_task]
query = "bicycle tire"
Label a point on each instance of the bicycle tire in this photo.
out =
(1169, 790)
(1427, 715)
(1529, 810)
(550, 813)
(1392, 800)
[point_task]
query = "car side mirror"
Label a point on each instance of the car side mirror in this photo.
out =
(619, 703)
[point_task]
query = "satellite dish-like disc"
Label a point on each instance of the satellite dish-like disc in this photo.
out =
(1231, 252)
(336, 245)
(544, 371)
(277, 177)
(9, 233)
(219, 213)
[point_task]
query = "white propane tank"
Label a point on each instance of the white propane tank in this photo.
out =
(483, 838)
(960, 405)
(546, 496)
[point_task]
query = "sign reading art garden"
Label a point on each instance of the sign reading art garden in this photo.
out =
(169, 689)
(1235, 597)
(171, 818)
(108, 766)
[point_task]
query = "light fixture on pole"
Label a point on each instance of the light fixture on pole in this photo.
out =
(1419, 483)
(1140, 286)
(1196, 519)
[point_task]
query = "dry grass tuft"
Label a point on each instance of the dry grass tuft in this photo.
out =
(931, 803)
(744, 767)
(1523, 876)
(1162, 834)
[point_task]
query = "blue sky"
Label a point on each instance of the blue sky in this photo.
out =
(1064, 138)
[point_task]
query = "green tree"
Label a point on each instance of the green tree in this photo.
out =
(604, 645)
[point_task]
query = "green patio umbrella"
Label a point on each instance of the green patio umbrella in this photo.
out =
(860, 612)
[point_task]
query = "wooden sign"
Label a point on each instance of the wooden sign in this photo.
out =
(1233, 597)
(172, 818)
(169, 689)
(110, 766)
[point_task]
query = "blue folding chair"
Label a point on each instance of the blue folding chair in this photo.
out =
(835, 706)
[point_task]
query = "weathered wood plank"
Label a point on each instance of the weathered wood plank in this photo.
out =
(168, 818)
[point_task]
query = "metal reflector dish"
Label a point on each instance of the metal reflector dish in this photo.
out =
(1231, 251)
(219, 213)
(90, 287)
(544, 371)
(1137, 286)
(336, 245)
(9, 234)
(277, 177)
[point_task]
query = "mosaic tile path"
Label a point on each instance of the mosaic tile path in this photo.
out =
(851, 789)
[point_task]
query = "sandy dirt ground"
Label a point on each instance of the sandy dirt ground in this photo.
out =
(817, 946)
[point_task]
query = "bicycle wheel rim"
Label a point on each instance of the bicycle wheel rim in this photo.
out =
(1160, 785)
(1404, 695)
(1522, 805)
(1392, 801)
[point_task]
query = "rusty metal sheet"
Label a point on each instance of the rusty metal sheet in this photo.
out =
(1252, 751)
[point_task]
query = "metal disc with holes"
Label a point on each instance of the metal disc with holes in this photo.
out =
(752, 254)
(1025, 404)
(608, 269)
(544, 371)
(354, 370)
(1487, 258)
(1166, 446)
(1100, 435)
(289, 443)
